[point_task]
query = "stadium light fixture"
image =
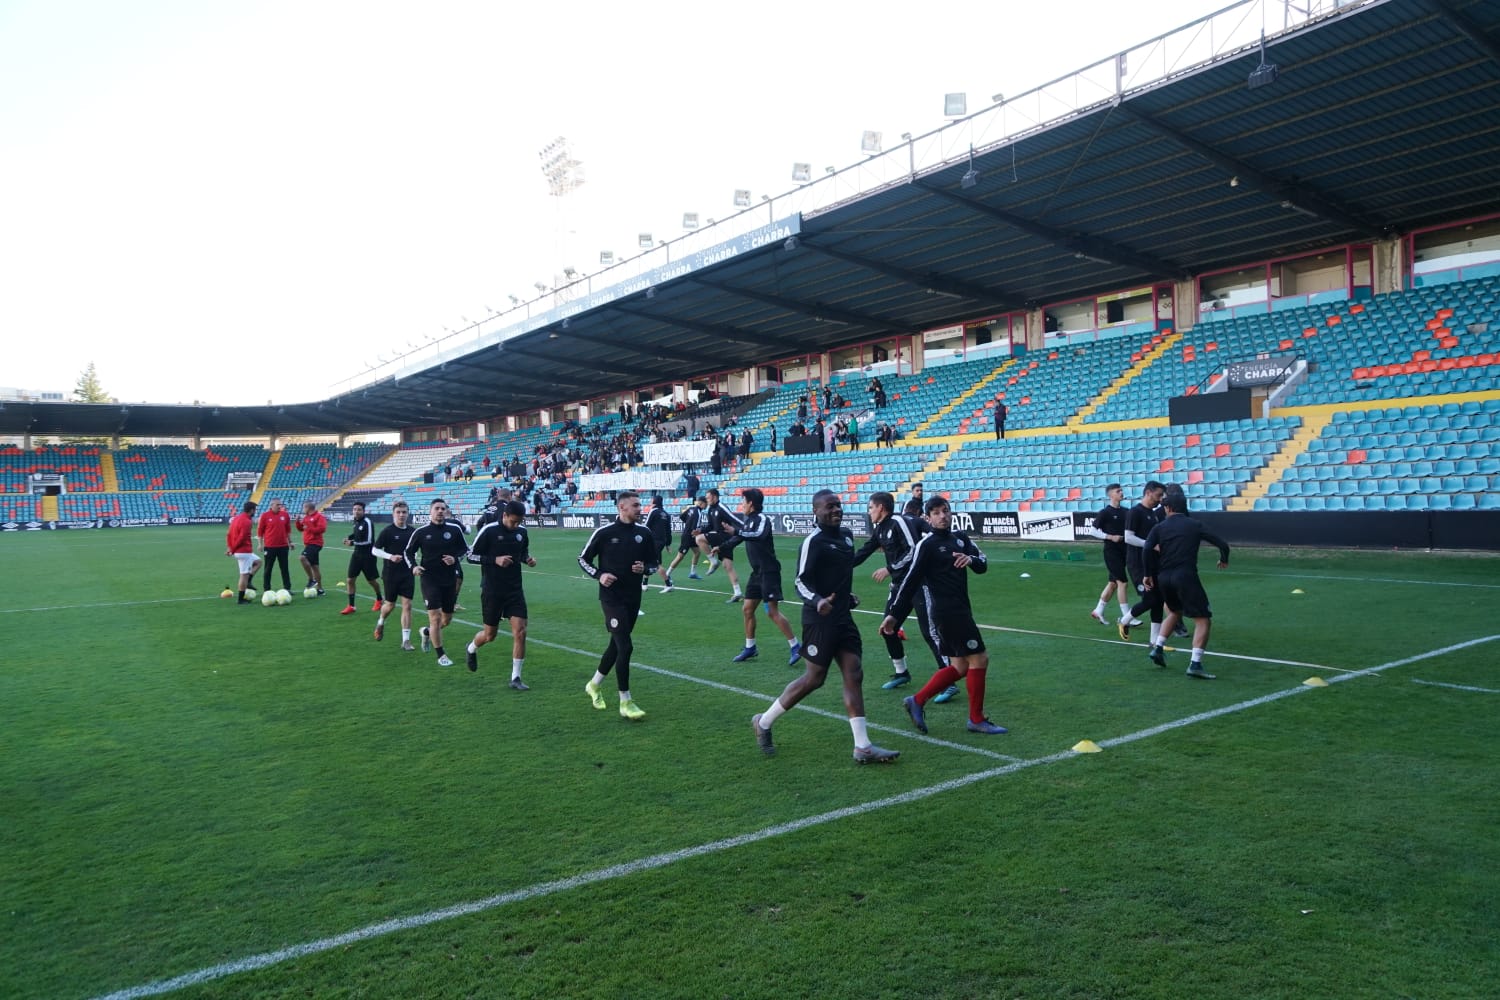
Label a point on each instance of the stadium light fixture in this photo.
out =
(644, 241)
(971, 176)
(539, 286)
(1265, 74)
(998, 98)
(906, 137)
(606, 258)
(869, 143)
(515, 300)
(741, 198)
(801, 172)
(689, 220)
(955, 105)
(570, 273)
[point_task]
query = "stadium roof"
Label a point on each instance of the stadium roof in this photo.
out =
(1384, 118)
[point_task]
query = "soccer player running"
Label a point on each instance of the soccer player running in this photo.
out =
(442, 546)
(825, 579)
(397, 576)
(1109, 525)
(500, 549)
(312, 524)
(765, 574)
(939, 562)
(275, 534)
(362, 560)
(241, 548)
(1142, 517)
(625, 553)
(1172, 568)
(659, 523)
(713, 531)
(690, 517)
(897, 535)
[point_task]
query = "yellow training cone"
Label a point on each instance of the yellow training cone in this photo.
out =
(1315, 682)
(1087, 746)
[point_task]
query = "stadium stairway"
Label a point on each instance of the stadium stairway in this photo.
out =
(264, 483)
(1138, 365)
(107, 474)
(972, 391)
(1300, 441)
(49, 508)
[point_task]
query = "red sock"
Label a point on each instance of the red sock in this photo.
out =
(939, 683)
(976, 694)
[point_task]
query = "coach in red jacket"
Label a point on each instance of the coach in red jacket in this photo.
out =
(239, 546)
(312, 525)
(275, 533)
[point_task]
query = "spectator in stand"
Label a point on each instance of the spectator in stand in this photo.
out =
(1001, 412)
(853, 432)
(802, 410)
(773, 437)
(241, 547)
(275, 534)
(312, 524)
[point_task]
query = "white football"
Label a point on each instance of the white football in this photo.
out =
(268, 599)
(250, 593)
(310, 592)
(283, 597)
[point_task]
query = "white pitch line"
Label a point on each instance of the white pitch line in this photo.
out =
(268, 958)
(1456, 687)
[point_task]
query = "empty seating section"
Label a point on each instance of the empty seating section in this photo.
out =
(1435, 456)
(19, 508)
(153, 504)
(1069, 471)
(409, 462)
(1428, 341)
(178, 467)
(1042, 389)
(77, 464)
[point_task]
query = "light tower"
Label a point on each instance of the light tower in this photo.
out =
(565, 175)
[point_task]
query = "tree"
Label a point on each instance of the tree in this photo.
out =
(89, 390)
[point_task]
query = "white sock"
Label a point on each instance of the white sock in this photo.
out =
(1197, 656)
(598, 678)
(624, 697)
(861, 732)
(1124, 612)
(771, 714)
(515, 669)
(406, 635)
(750, 643)
(471, 648)
(1156, 633)
(381, 621)
(1099, 608)
(791, 643)
(899, 664)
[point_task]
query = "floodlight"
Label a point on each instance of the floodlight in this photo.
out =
(870, 143)
(955, 105)
(801, 172)
(689, 220)
(644, 241)
(570, 273)
(606, 258)
(741, 198)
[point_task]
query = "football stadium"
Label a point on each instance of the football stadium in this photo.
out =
(1244, 276)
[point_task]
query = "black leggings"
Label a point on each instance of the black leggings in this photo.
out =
(617, 658)
(273, 556)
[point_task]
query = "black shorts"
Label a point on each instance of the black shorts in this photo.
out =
(439, 594)
(717, 538)
(764, 586)
(687, 545)
(362, 563)
(1136, 564)
(620, 616)
(498, 604)
(310, 553)
(1184, 594)
(958, 636)
(1114, 563)
(822, 641)
(398, 581)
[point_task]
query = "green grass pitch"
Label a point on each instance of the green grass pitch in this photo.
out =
(216, 801)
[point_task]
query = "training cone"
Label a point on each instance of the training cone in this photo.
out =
(1087, 746)
(1297, 590)
(1315, 682)
(1026, 576)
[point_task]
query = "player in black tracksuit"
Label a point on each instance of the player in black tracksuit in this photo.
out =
(500, 549)
(443, 547)
(690, 517)
(1138, 524)
(626, 553)
(1172, 569)
(754, 532)
(896, 535)
(825, 579)
(659, 523)
(713, 531)
(1109, 525)
(362, 559)
(390, 549)
(939, 564)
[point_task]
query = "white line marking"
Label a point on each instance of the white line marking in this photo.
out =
(264, 959)
(1456, 687)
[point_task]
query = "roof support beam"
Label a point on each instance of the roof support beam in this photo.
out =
(933, 283)
(1079, 243)
(1469, 29)
(606, 367)
(1296, 195)
(733, 334)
